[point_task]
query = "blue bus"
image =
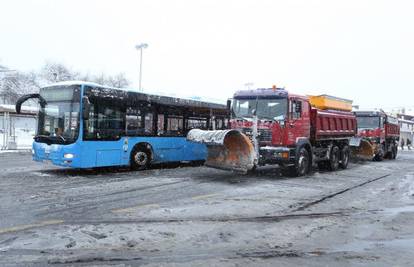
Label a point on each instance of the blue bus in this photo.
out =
(86, 125)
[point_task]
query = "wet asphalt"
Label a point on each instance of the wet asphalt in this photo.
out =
(180, 215)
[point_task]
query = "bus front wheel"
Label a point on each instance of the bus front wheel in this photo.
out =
(140, 158)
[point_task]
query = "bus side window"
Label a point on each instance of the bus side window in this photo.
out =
(160, 124)
(106, 123)
(133, 122)
(196, 123)
(148, 123)
(89, 127)
(219, 124)
(175, 125)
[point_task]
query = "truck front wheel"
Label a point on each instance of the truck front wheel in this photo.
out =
(301, 167)
(379, 156)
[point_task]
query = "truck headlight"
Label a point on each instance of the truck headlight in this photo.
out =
(68, 156)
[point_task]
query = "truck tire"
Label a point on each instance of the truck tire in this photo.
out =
(140, 158)
(380, 155)
(301, 167)
(345, 153)
(394, 152)
(333, 163)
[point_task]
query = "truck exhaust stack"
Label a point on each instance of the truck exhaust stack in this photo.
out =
(227, 149)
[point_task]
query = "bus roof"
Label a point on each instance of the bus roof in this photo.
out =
(102, 91)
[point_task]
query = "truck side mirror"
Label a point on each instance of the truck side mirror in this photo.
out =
(228, 104)
(86, 106)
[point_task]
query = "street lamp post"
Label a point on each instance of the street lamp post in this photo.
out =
(140, 47)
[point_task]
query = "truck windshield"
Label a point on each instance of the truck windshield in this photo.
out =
(59, 118)
(368, 122)
(270, 109)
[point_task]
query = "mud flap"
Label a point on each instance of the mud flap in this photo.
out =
(226, 149)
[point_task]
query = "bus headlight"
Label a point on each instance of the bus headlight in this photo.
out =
(33, 151)
(68, 156)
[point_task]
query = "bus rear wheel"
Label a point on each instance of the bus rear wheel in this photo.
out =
(140, 159)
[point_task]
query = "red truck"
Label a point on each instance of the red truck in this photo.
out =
(273, 126)
(381, 133)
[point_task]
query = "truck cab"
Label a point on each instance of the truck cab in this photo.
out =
(381, 130)
(282, 119)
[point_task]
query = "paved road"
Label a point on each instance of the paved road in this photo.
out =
(191, 216)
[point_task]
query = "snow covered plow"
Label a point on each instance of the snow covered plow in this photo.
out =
(226, 149)
(362, 148)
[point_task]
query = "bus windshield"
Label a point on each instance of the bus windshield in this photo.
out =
(59, 118)
(270, 109)
(368, 122)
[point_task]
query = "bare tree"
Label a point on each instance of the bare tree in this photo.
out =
(57, 72)
(15, 84)
(118, 80)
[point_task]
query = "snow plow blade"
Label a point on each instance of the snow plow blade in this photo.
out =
(226, 149)
(365, 150)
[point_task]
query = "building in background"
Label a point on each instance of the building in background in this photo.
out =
(17, 130)
(406, 127)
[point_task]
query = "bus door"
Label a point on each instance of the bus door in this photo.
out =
(103, 136)
(170, 146)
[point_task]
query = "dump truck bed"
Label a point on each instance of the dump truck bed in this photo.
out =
(392, 130)
(328, 124)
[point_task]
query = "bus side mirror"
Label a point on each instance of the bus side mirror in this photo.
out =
(228, 104)
(86, 106)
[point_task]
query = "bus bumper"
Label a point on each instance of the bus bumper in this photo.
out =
(60, 155)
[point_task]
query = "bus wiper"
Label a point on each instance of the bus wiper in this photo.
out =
(61, 137)
(40, 137)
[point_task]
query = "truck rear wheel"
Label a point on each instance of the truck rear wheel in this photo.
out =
(379, 156)
(394, 151)
(345, 152)
(333, 164)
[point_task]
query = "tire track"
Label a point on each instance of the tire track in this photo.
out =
(310, 204)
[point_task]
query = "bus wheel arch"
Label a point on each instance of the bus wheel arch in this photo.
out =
(141, 156)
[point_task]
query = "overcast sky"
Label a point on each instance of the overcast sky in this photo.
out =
(357, 49)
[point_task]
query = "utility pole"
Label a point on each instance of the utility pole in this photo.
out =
(140, 47)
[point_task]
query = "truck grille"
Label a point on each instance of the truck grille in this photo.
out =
(263, 135)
